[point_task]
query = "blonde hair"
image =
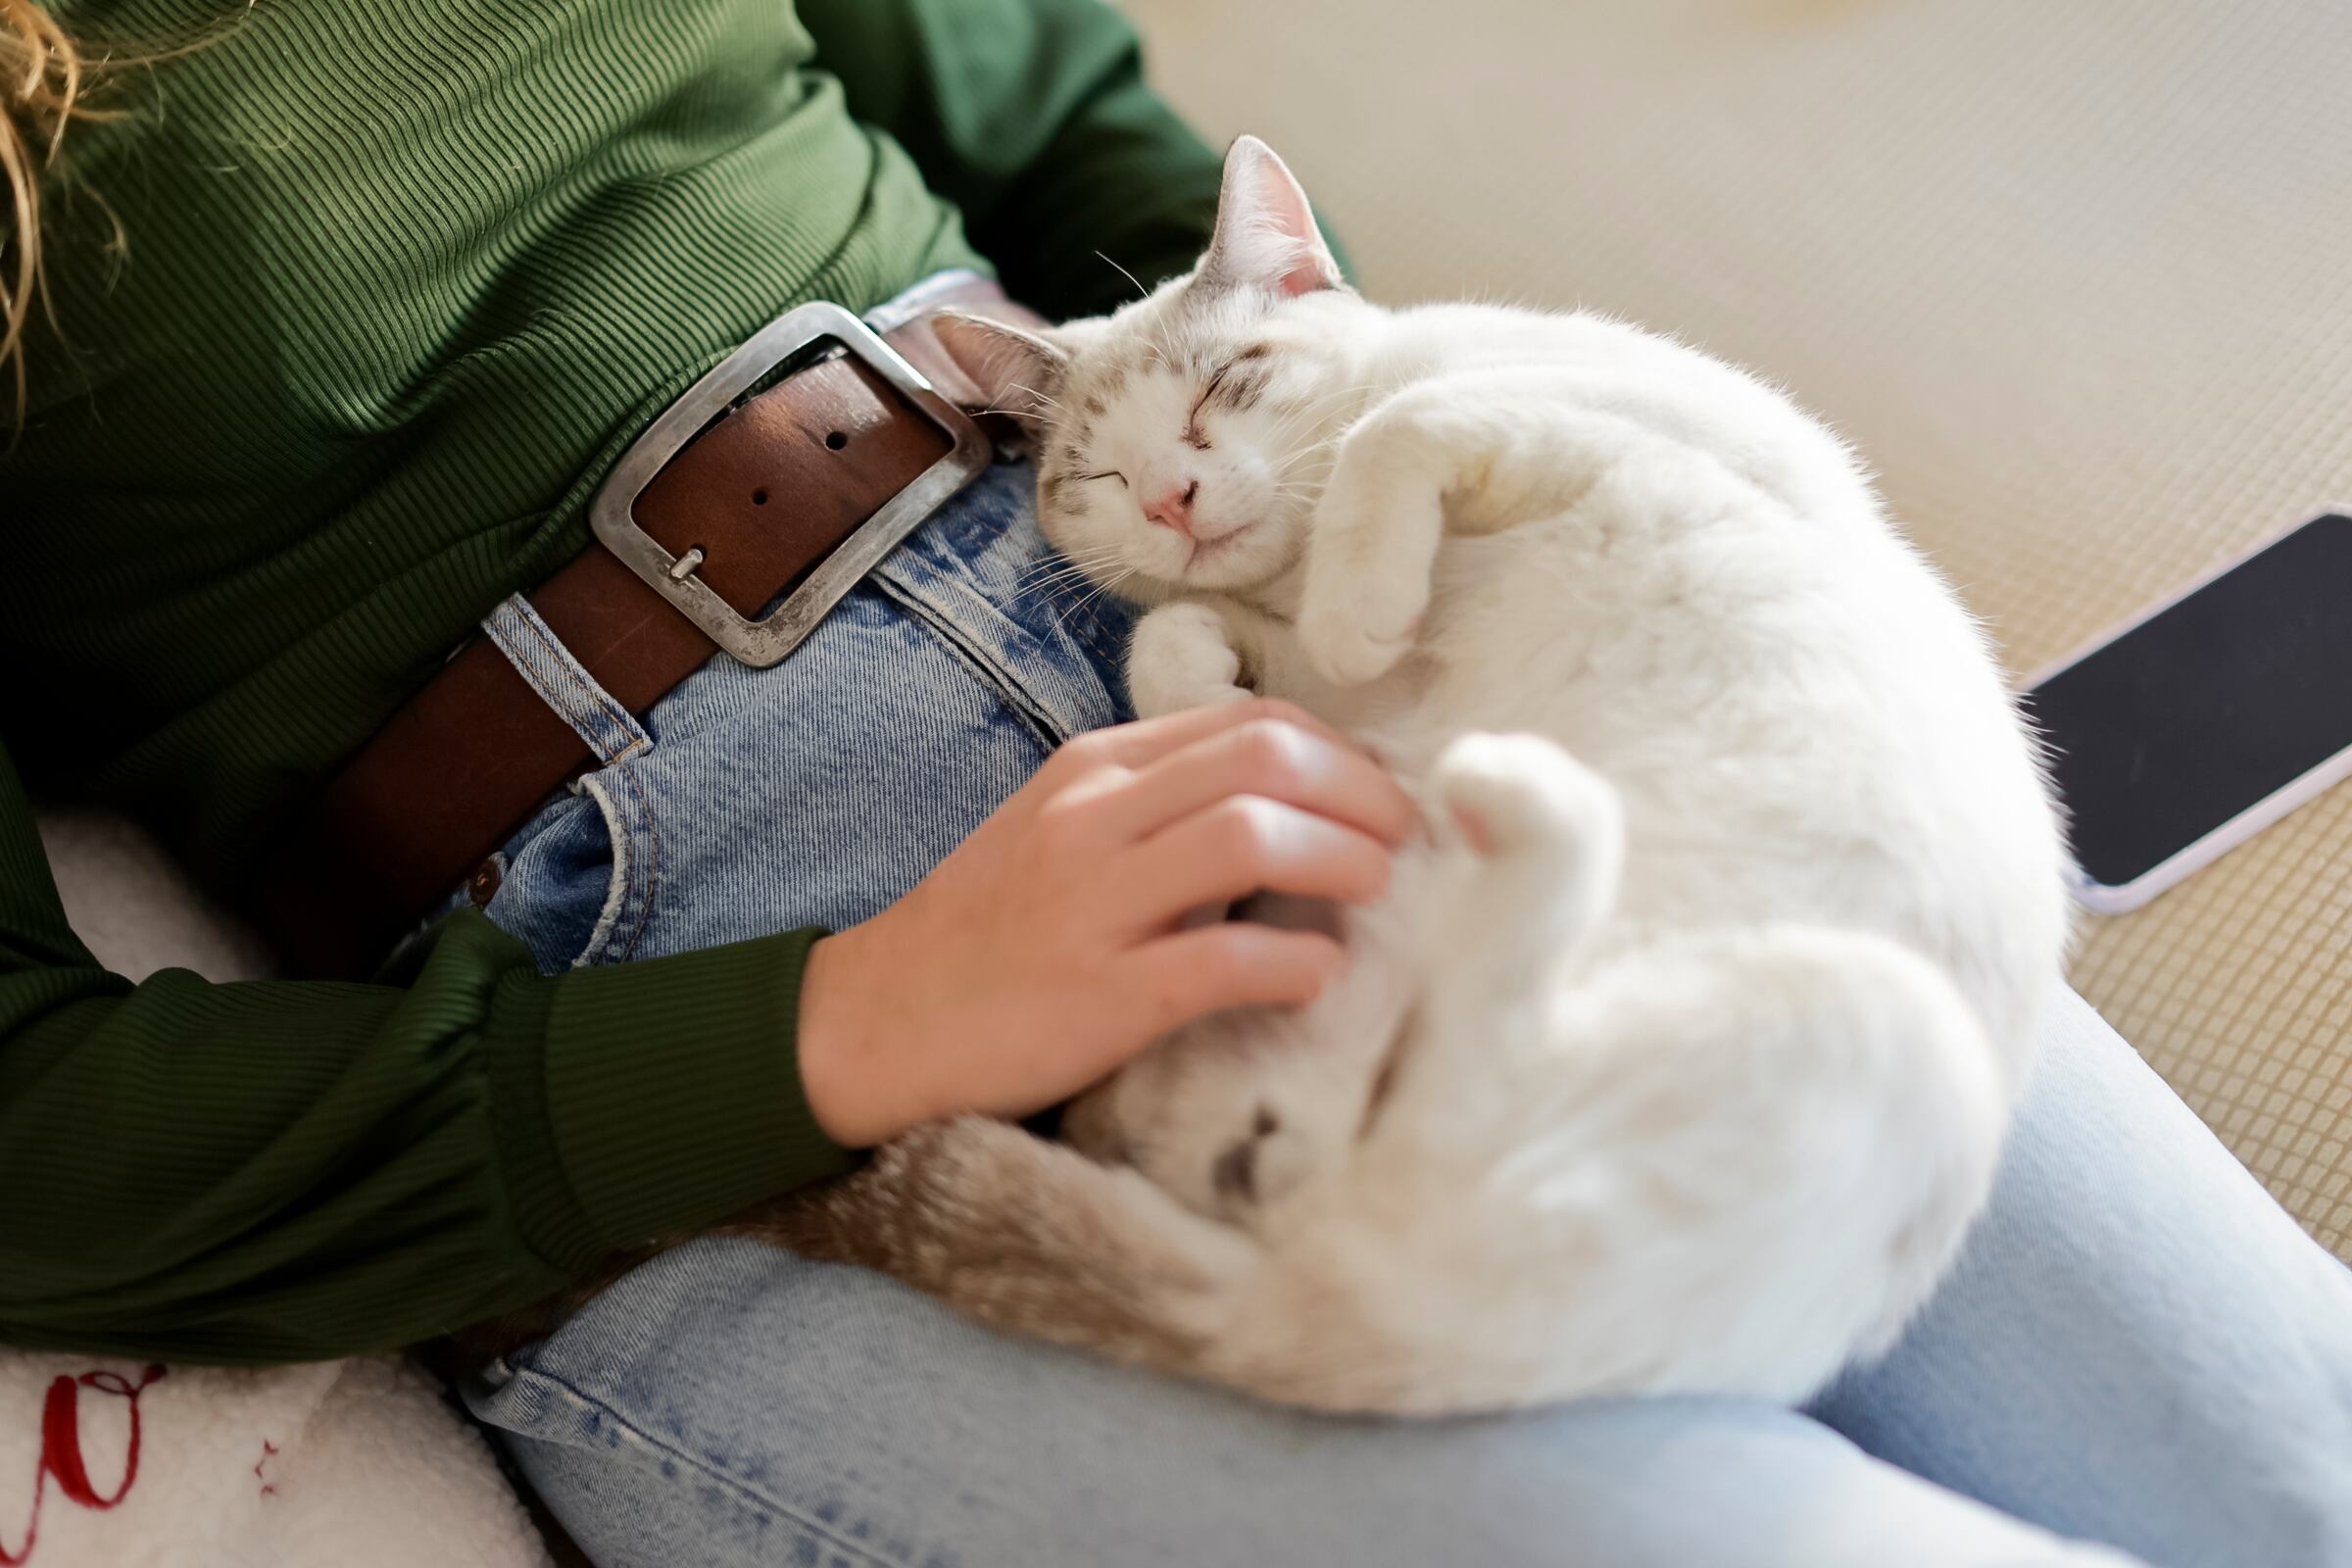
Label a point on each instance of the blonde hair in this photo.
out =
(42, 76)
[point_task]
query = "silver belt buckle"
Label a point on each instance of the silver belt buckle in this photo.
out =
(800, 333)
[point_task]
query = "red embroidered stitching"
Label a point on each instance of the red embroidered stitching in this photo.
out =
(61, 1449)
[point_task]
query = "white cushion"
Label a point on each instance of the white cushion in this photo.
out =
(344, 1464)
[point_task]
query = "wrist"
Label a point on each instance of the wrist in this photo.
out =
(844, 1075)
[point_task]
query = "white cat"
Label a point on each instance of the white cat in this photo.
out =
(1679, 1057)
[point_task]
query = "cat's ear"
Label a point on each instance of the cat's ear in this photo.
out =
(1266, 236)
(1010, 370)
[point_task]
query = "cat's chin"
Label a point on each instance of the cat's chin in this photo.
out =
(1234, 562)
(1226, 551)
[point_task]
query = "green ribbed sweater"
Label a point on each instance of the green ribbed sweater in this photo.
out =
(402, 277)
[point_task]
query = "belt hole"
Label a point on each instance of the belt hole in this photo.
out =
(837, 440)
(758, 498)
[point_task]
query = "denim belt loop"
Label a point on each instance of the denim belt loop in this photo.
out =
(540, 657)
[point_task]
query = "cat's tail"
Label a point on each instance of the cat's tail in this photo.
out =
(1033, 1238)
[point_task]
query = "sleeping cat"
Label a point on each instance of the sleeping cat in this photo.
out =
(1680, 1052)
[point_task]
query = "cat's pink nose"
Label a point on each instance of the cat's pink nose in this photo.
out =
(1174, 509)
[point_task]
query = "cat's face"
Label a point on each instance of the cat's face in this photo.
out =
(1182, 441)
(1187, 448)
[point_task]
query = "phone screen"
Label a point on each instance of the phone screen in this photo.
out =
(2207, 708)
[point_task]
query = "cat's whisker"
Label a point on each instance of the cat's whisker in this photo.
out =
(1325, 452)
(1061, 559)
(1141, 292)
(1060, 573)
(1301, 417)
(1063, 577)
(1061, 586)
(1046, 581)
(1043, 400)
(1314, 406)
(1052, 565)
(1064, 617)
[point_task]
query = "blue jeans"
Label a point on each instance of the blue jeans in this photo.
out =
(2137, 1348)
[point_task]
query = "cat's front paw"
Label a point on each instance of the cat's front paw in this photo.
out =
(1182, 658)
(1355, 630)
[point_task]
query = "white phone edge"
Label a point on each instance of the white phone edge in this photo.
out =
(2103, 898)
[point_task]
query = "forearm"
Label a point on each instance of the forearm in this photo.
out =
(280, 1171)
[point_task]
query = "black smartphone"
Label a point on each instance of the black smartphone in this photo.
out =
(2179, 736)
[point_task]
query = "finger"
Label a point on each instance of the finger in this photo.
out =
(1266, 757)
(1243, 843)
(1146, 741)
(1178, 978)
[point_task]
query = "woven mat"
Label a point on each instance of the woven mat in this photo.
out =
(2077, 279)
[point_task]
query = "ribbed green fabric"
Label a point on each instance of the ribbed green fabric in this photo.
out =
(672, 1090)
(403, 277)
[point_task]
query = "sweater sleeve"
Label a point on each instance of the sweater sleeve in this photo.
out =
(1032, 117)
(280, 1171)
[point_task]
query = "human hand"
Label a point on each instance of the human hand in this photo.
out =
(1051, 945)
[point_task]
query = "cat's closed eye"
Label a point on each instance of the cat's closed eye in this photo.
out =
(1107, 474)
(1193, 434)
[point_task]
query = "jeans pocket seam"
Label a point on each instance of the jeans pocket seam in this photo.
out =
(579, 1398)
(631, 834)
(652, 862)
(991, 674)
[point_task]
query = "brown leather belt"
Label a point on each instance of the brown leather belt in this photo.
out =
(742, 491)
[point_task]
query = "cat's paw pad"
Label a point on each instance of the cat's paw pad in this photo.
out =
(1259, 1166)
(1181, 658)
(1354, 638)
(1503, 790)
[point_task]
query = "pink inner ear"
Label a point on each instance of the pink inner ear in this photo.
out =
(1306, 277)
(1267, 235)
(1294, 221)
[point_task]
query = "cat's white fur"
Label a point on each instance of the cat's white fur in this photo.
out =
(1680, 1055)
